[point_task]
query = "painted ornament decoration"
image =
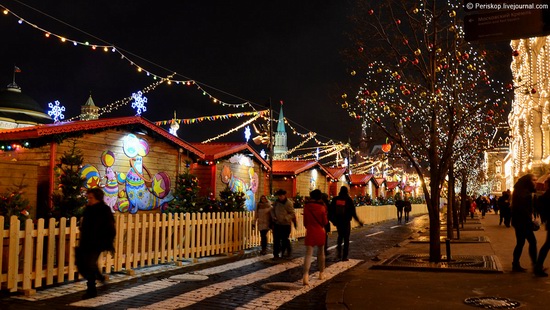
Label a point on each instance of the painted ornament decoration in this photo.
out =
(386, 147)
(90, 174)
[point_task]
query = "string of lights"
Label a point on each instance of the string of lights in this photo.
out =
(121, 102)
(107, 47)
(200, 119)
(232, 130)
(170, 79)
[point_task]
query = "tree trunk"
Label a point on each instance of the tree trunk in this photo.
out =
(435, 223)
(450, 203)
(463, 199)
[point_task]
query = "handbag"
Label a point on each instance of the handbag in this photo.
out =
(535, 221)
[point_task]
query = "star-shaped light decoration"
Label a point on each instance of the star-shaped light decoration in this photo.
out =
(139, 102)
(56, 111)
(263, 154)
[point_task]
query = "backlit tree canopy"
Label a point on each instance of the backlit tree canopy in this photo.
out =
(423, 86)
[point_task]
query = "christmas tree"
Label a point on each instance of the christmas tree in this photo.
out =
(69, 200)
(186, 194)
(231, 201)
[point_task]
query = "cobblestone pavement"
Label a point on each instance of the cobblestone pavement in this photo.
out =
(243, 281)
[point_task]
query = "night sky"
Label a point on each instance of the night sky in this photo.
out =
(244, 50)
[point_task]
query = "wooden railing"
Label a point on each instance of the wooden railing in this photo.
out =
(38, 255)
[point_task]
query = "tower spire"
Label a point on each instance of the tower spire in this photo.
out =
(280, 147)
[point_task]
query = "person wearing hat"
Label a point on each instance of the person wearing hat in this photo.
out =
(283, 216)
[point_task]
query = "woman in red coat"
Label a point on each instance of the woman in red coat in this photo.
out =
(315, 219)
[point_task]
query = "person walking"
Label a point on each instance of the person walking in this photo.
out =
(504, 208)
(315, 220)
(399, 205)
(473, 207)
(523, 200)
(326, 201)
(263, 221)
(408, 208)
(283, 216)
(341, 211)
(97, 234)
(543, 209)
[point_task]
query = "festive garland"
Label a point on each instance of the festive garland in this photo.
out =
(112, 48)
(196, 120)
(232, 130)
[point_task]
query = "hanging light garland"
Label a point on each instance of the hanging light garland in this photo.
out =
(140, 69)
(168, 80)
(122, 102)
(232, 130)
(196, 120)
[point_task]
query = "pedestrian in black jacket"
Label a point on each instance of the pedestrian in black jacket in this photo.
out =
(543, 209)
(97, 234)
(522, 219)
(341, 211)
(400, 205)
(504, 208)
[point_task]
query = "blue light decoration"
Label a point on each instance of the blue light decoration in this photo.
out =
(139, 102)
(317, 154)
(56, 111)
(263, 154)
(247, 133)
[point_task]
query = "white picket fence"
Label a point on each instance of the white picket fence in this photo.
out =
(36, 256)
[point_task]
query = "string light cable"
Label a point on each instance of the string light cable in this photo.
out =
(107, 46)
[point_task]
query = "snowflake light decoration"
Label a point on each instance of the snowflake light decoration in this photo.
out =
(56, 111)
(247, 133)
(263, 154)
(139, 102)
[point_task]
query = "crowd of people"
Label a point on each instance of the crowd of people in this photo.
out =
(318, 212)
(528, 210)
(524, 210)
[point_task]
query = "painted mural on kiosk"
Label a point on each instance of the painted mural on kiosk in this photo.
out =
(237, 184)
(134, 190)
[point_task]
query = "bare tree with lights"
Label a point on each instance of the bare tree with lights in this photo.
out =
(423, 86)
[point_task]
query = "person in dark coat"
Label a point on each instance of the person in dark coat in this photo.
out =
(97, 234)
(522, 218)
(408, 208)
(543, 208)
(341, 211)
(399, 205)
(326, 200)
(504, 208)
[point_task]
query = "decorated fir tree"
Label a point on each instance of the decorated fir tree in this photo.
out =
(186, 194)
(231, 201)
(69, 199)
